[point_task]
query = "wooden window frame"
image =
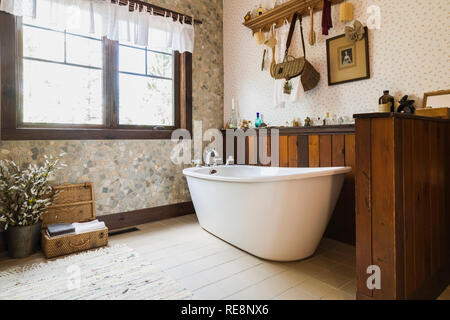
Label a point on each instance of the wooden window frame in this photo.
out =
(11, 91)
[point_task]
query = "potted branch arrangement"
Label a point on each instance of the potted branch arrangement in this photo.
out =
(25, 193)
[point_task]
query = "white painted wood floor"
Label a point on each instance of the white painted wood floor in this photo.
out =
(213, 269)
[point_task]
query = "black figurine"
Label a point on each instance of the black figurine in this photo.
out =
(406, 106)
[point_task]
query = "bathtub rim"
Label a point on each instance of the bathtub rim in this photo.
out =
(315, 173)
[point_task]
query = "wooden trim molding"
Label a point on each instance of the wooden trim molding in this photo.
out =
(137, 217)
(396, 115)
(16, 134)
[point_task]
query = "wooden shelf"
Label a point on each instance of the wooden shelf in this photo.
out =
(314, 130)
(284, 11)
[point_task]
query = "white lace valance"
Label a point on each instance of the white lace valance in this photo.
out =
(103, 18)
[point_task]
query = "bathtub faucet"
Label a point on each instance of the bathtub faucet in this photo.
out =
(211, 154)
(197, 163)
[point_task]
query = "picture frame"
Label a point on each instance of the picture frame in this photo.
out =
(347, 61)
(436, 99)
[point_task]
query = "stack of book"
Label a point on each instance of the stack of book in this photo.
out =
(56, 230)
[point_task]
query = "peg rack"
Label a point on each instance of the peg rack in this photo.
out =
(284, 12)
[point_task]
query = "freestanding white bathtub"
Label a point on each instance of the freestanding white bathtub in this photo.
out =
(273, 213)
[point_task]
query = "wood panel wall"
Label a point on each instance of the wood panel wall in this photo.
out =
(298, 150)
(402, 220)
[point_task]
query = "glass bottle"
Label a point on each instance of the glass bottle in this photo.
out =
(386, 103)
(262, 120)
(233, 118)
(258, 120)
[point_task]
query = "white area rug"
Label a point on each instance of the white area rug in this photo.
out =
(116, 273)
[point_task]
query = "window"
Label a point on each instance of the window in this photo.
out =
(62, 85)
(150, 73)
(61, 77)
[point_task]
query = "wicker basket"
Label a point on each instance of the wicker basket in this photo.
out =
(75, 203)
(310, 77)
(63, 245)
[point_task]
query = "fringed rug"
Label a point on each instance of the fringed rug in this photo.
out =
(111, 273)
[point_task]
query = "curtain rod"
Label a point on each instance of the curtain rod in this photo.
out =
(160, 11)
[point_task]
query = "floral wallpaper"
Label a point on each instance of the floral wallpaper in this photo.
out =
(409, 54)
(132, 175)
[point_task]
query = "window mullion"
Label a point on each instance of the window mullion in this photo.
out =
(115, 81)
(65, 46)
(110, 82)
(146, 61)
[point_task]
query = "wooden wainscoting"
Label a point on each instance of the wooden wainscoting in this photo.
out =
(315, 147)
(403, 223)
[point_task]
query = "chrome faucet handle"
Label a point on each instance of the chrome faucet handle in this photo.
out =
(197, 163)
(217, 161)
(230, 161)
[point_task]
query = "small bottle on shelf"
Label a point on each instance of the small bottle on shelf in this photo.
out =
(326, 120)
(260, 10)
(258, 120)
(386, 103)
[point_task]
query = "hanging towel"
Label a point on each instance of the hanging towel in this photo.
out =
(280, 98)
(327, 22)
(88, 226)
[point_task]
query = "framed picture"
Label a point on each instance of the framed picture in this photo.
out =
(436, 99)
(347, 58)
(347, 61)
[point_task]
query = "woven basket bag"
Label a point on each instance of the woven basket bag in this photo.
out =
(293, 67)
